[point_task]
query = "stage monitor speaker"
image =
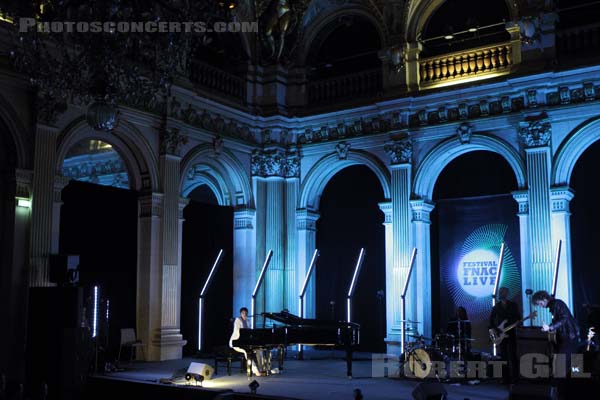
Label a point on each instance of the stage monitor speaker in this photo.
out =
(199, 369)
(525, 391)
(429, 391)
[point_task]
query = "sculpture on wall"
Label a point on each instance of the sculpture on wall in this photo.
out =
(279, 18)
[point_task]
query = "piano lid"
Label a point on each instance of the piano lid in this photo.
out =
(287, 318)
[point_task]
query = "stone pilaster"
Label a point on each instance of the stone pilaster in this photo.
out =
(535, 134)
(149, 272)
(413, 79)
(386, 208)
(522, 199)
(421, 224)
(42, 206)
(276, 173)
(401, 156)
(275, 240)
(561, 230)
(292, 286)
(167, 340)
(307, 240)
(244, 257)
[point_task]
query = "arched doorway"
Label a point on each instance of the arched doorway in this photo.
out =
(207, 228)
(585, 237)
(99, 223)
(350, 219)
(474, 213)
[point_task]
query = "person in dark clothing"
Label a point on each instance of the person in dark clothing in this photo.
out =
(461, 320)
(563, 326)
(507, 311)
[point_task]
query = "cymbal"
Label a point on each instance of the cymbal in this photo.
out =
(410, 322)
(467, 340)
(418, 336)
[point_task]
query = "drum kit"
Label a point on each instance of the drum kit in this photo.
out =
(424, 356)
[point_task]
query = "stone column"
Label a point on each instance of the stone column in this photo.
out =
(159, 257)
(421, 224)
(401, 156)
(42, 204)
(561, 230)
(244, 257)
(535, 134)
(307, 240)
(522, 198)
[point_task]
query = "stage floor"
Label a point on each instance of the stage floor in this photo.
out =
(319, 376)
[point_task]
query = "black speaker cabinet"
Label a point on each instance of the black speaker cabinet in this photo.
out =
(429, 391)
(58, 349)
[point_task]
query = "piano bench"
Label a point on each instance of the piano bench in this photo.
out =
(226, 355)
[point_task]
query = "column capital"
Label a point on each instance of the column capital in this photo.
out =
(243, 218)
(151, 204)
(59, 184)
(522, 199)
(400, 152)
(535, 131)
(421, 210)
(275, 162)
(307, 219)
(386, 207)
(560, 198)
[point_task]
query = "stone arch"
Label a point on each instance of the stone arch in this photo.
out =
(322, 172)
(128, 142)
(18, 134)
(437, 159)
(316, 26)
(571, 148)
(418, 13)
(223, 174)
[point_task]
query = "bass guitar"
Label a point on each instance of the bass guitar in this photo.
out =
(500, 333)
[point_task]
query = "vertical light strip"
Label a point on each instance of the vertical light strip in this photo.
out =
(95, 317)
(496, 284)
(556, 266)
(353, 283)
(107, 309)
(200, 301)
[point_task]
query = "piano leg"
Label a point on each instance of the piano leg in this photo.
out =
(280, 351)
(249, 367)
(349, 363)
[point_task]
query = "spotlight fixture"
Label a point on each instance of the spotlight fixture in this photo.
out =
(253, 386)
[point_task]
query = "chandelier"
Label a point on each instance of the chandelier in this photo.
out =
(102, 53)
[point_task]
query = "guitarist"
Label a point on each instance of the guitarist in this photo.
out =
(507, 310)
(563, 325)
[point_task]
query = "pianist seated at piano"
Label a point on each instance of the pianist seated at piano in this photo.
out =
(256, 357)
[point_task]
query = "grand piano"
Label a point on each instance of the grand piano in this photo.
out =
(295, 330)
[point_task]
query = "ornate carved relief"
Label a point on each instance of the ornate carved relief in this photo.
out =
(536, 132)
(400, 151)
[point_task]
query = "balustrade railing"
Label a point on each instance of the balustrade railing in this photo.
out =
(347, 87)
(220, 81)
(580, 40)
(453, 68)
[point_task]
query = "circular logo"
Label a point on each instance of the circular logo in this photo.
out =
(476, 272)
